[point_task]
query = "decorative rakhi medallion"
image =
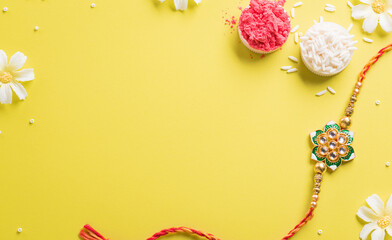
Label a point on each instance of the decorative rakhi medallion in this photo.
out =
(332, 145)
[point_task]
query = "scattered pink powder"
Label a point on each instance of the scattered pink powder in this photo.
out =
(264, 25)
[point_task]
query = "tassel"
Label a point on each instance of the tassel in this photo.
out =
(89, 233)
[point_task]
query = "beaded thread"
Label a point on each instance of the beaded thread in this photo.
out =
(89, 233)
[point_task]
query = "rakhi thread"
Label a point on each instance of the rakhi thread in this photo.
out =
(89, 233)
(349, 111)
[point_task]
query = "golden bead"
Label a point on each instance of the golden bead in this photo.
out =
(345, 122)
(318, 178)
(320, 167)
(353, 98)
(317, 185)
(349, 111)
(356, 91)
(359, 84)
(313, 204)
(316, 190)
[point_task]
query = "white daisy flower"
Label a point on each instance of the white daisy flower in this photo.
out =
(378, 218)
(374, 12)
(10, 77)
(182, 4)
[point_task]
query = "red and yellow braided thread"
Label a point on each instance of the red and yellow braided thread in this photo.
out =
(372, 61)
(89, 233)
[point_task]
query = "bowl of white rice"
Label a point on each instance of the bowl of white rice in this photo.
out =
(327, 48)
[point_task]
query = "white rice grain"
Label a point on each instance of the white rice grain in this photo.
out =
(321, 19)
(286, 67)
(292, 13)
(350, 27)
(298, 4)
(292, 70)
(330, 5)
(294, 59)
(350, 4)
(321, 93)
(331, 90)
(296, 38)
(330, 9)
(368, 40)
(294, 29)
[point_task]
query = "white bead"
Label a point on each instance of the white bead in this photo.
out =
(5, 9)
(378, 102)
(93, 5)
(387, 164)
(36, 28)
(31, 121)
(20, 230)
(319, 232)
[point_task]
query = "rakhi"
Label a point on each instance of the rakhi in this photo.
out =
(332, 147)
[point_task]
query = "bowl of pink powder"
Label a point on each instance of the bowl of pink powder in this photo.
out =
(264, 26)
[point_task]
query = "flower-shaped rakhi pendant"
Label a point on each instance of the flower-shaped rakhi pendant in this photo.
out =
(332, 145)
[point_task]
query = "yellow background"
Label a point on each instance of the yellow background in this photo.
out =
(147, 118)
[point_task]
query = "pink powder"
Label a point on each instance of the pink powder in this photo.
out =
(264, 25)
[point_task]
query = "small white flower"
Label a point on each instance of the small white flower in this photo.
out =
(182, 4)
(378, 218)
(10, 77)
(374, 12)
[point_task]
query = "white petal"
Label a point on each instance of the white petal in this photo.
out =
(370, 23)
(388, 207)
(5, 94)
(197, 1)
(367, 229)
(389, 230)
(367, 1)
(19, 90)
(3, 60)
(361, 11)
(366, 214)
(376, 204)
(181, 4)
(386, 22)
(24, 75)
(378, 234)
(17, 61)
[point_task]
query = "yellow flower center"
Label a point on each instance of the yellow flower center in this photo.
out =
(379, 6)
(384, 222)
(5, 77)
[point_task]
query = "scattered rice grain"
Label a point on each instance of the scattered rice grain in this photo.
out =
(292, 13)
(350, 27)
(298, 4)
(296, 38)
(330, 9)
(294, 59)
(286, 67)
(330, 5)
(294, 29)
(350, 4)
(368, 40)
(321, 93)
(331, 90)
(292, 70)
